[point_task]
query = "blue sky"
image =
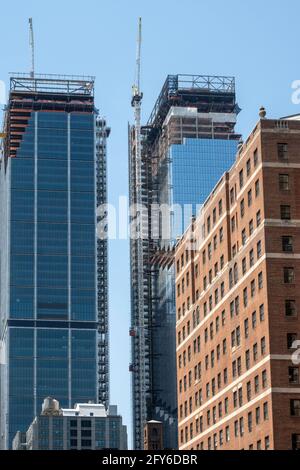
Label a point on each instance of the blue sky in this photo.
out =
(256, 41)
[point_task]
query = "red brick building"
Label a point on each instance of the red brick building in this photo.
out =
(238, 302)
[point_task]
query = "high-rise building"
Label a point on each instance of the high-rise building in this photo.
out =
(187, 144)
(54, 326)
(87, 426)
(237, 296)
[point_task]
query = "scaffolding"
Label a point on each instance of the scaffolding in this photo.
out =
(188, 106)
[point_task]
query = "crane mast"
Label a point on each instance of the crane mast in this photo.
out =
(136, 103)
(31, 43)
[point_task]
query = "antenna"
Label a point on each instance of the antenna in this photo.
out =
(31, 43)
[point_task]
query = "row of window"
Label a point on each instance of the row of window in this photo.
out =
(216, 384)
(214, 300)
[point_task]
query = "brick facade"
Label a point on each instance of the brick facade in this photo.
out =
(237, 273)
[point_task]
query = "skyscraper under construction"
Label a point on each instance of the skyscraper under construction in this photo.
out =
(54, 318)
(174, 160)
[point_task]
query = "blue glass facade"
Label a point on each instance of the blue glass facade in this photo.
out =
(186, 179)
(48, 268)
(196, 167)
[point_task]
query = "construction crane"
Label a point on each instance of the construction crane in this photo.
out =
(139, 368)
(31, 43)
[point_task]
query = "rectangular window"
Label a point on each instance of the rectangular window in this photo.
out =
(258, 218)
(287, 244)
(266, 411)
(249, 197)
(255, 157)
(257, 188)
(262, 312)
(242, 205)
(294, 375)
(282, 151)
(291, 338)
(289, 275)
(284, 182)
(248, 167)
(241, 179)
(295, 408)
(251, 227)
(290, 308)
(259, 249)
(285, 212)
(220, 207)
(296, 441)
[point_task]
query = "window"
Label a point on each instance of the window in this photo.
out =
(258, 218)
(296, 441)
(284, 182)
(257, 415)
(294, 375)
(245, 297)
(208, 224)
(233, 223)
(241, 178)
(255, 352)
(236, 428)
(257, 188)
(249, 391)
(232, 196)
(244, 266)
(251, 258)
(258, 445)
(289, 275)
(254, 320)
(255, 157)
(285, 212)
(204, 257)
(220, 207)
(295, 408)
(256, 384)
(246, 327)
(248, 167)
(249, 197)
(263, 346)
(260, 280)
(242, 205)
(222, 262)
(251, 227)
(262, 312)
(264, 378)
(241, 426)
(259, 249)
(227, 433)
(253, 288)
(209, 251)
(287, 244)
(215, 242)
(221, 236)
(247, 359)
(237, 305)
(291, 338)
(250, 422)
(290, 308)
(214, 216)
(282, 151)
(267, 443)
(244, 237)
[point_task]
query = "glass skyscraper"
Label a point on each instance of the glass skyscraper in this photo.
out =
(53, 322)
(187, 144)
